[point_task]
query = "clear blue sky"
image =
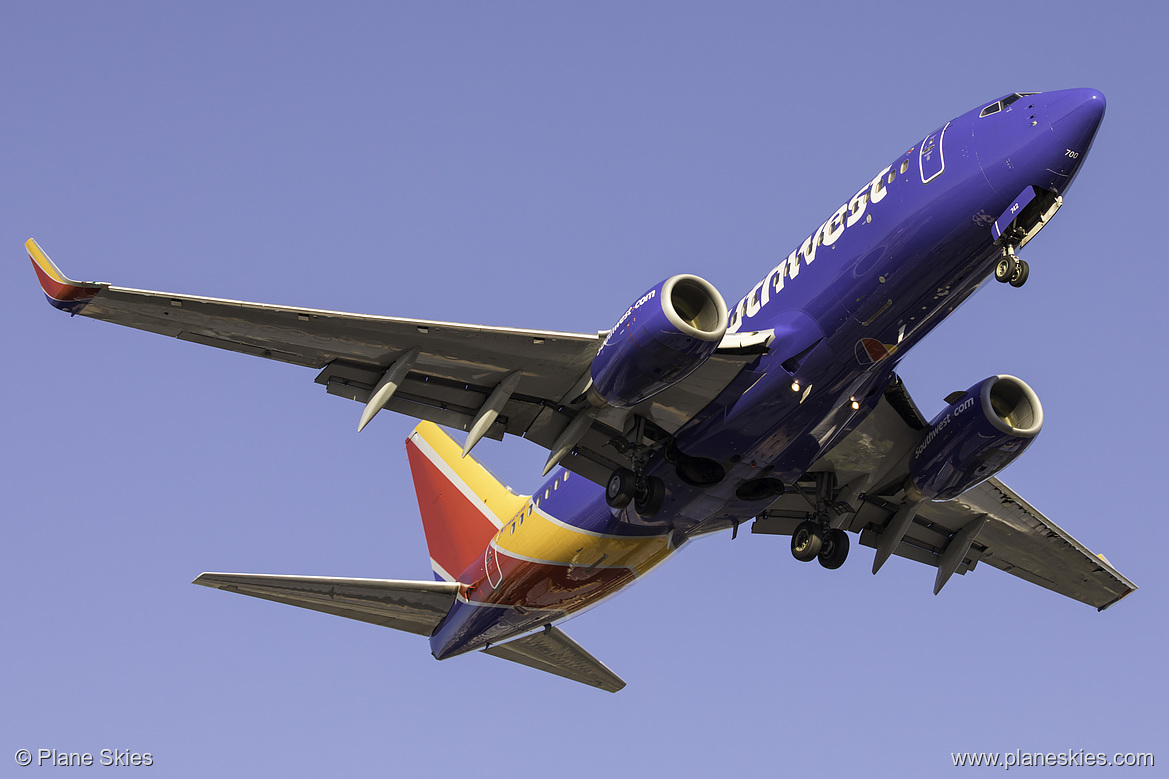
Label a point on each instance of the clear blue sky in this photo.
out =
(539, 165)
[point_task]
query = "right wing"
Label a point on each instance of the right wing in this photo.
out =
(450, 379)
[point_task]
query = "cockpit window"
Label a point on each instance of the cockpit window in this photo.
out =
(999, 105)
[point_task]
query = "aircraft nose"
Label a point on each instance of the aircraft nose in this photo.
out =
(1075, 117)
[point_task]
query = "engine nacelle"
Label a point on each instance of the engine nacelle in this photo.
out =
(974, 438)
(664, 337)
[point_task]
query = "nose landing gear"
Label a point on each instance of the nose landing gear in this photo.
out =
(1010, 269)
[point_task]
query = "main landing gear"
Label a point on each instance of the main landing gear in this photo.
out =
(625, 486)
(815, 538)
(812, 542)
(646, 493)
(1010, 269)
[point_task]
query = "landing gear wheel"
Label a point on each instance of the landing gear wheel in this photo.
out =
(807, 541)
(835, 549)
(1007, 268)
(1021, 274)
(620, 489)
(649, 497)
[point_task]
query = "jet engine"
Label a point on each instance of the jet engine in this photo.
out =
(981, 432)
(664, 337)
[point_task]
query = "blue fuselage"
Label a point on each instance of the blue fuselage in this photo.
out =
(882, 271)
(868, 284)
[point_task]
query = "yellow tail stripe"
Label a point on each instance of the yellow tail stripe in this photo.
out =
(499, 500)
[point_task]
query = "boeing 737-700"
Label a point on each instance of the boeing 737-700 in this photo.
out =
(688, 417)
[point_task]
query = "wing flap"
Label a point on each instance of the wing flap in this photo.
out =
(1016, 538)
(552, 651)
(1020, 540)
(413, 606)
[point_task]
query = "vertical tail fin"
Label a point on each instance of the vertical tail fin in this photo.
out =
(462, 504)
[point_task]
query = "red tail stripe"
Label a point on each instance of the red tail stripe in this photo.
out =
(457, 532)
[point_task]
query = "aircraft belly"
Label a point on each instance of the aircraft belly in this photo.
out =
(543, 569)
(529, 595)
(548, 586)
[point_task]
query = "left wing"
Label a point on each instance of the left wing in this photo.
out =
(989, 523)
(489, 380)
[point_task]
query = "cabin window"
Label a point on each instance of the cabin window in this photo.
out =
(777, 277)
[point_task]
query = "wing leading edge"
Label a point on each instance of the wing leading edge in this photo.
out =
(451, 373)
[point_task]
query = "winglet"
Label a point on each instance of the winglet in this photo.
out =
(63, 292)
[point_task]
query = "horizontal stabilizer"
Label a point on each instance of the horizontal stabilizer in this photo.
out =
(412, 606)
(553, 651)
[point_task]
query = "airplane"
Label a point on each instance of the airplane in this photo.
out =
(689, 417)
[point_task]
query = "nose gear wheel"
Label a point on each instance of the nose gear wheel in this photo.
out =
(1010, 269)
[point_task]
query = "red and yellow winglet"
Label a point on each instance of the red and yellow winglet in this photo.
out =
(63, 292)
